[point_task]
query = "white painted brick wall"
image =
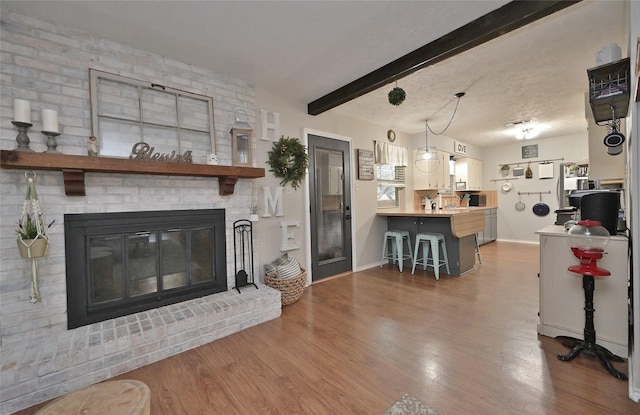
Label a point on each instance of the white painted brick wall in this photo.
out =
(48, 66)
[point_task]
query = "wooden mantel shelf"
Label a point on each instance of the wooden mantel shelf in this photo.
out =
(74, 167)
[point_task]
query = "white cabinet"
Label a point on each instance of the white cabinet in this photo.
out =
(469, 171)
(562, 295)
(331, 175)
(335, 181)
(436, 179)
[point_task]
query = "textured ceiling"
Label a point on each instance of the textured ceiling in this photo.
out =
(304, 50)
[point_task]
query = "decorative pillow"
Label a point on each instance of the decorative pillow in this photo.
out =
(269, 268)
(289, 269)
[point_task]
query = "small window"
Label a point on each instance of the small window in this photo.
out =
(390, 181)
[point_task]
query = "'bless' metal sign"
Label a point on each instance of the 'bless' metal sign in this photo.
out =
(143, 151)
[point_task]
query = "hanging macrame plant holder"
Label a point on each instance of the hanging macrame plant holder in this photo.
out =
(33, 240)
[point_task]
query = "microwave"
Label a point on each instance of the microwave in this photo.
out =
(478, 200)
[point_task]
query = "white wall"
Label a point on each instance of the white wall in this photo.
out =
(633, 217)
(521, 226)
(369, 229)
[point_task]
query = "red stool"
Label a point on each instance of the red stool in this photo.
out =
(589, 271)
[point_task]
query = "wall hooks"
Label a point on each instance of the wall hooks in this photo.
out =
(543, 161)
(548, 192)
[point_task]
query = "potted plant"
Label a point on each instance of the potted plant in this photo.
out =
(504, 169)
(32, 243)
(254, 208)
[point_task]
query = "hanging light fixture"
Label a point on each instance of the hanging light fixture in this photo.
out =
(427, 157)
(526, 133)
(524, 129)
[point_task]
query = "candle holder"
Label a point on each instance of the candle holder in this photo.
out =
(51, 142)
(22, 138)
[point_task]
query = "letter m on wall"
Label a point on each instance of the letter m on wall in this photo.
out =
(271, 203)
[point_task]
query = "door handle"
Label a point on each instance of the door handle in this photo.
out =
(347, 217)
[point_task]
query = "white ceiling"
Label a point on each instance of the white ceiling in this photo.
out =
(303, 50)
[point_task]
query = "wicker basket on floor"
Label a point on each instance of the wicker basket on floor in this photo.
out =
(291, 289)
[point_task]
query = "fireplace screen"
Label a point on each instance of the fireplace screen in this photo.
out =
(121, 263)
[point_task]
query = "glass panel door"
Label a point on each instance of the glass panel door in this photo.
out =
(330, 206)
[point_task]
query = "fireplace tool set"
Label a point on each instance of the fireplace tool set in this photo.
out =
(243, 253)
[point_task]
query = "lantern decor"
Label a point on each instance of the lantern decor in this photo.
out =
(588, 239)
(241, 140)
(33, 240)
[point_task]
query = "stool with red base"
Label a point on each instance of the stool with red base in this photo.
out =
(588, 241)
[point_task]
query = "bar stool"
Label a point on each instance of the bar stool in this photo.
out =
(478, 248)
(435, 241)
(397, 242)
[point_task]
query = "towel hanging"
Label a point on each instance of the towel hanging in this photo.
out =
(545, 170)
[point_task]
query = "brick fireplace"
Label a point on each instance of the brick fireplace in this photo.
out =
(41, 358)
(120, 263)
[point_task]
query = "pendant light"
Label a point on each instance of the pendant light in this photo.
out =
(427, 156)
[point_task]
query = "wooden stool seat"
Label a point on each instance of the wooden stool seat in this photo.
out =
(117, 397)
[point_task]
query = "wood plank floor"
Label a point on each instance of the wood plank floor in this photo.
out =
(354, 344)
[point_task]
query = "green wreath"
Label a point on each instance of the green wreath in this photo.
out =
(397, 96)
(289, 161)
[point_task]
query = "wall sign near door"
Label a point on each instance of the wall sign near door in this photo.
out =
(365, 164)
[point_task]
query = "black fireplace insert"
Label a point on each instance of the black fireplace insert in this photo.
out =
(127, 262)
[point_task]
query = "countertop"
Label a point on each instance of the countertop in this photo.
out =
(464, 221)
(438, 213)
(558, 230)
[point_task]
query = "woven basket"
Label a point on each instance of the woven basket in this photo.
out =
(291, 289)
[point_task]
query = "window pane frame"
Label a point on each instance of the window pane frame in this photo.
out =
(118, 100)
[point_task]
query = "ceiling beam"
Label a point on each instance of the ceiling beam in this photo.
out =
(511, 16)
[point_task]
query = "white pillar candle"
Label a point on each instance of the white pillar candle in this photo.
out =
(21, 111)
(50, 120)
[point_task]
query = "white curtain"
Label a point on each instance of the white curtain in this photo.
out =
(390, 154)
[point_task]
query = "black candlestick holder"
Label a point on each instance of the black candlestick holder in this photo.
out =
(52, 144)
(22, 138)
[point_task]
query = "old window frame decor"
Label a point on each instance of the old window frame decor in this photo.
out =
(126, 111)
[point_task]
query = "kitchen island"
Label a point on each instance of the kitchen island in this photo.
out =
(458, 226)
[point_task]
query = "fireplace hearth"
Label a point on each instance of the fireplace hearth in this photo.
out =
(127, 262)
